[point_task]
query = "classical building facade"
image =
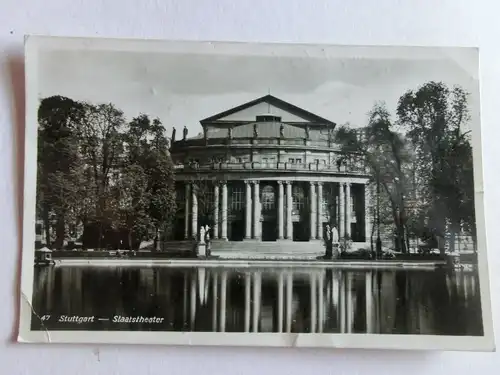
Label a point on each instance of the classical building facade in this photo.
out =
(268, 170)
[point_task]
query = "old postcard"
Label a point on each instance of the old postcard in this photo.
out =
(203, 193)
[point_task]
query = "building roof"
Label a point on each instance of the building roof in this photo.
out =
(266, 130)
(311, 117)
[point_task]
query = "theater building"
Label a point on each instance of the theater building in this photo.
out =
(269, 171)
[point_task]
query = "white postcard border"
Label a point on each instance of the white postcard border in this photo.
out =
(34, 44)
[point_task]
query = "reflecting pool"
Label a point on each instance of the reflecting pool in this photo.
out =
(300, 299)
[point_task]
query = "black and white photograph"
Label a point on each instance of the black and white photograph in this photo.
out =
(216, 193)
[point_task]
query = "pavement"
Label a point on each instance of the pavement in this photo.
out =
(244, 263)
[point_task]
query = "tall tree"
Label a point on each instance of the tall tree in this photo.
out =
(58, 157)
(94, 167)
(134, 200)
(148, 158)
(161, 186)
(385, 153)
(102, 147)
(435, 118)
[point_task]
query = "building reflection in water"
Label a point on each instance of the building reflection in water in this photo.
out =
(309, 300)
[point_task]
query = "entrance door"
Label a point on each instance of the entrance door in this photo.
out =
(269, 214)
(300, 231)
(178, 232)
(269, 230)
(237, 230)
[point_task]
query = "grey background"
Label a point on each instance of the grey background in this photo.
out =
(182, 89)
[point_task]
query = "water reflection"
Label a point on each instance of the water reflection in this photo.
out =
(260, 300)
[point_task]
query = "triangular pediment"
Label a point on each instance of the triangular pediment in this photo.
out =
(250, 114)
(267, 105)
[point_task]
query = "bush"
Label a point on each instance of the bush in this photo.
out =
(364, 254)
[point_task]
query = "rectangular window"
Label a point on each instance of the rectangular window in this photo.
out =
(298, 199)
(268, 198)
(180, 194)
(299, 161)
(237, 198)
(208, 198)
(291, 161)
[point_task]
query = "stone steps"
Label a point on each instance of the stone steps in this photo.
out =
(267, 246)
(276, 250)
(267, 250)
(251, 249)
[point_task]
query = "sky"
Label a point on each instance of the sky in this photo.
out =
(183, 88)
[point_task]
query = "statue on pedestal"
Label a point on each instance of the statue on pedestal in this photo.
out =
(328, 241)
(307, 132)
(255, 132)
(172, 140)
(202, 235)
(332, 242)
(207, 233)
(335, 242)
(282, 131)
(335, 235)
(184, 133)
(230, 133)
(207, 239)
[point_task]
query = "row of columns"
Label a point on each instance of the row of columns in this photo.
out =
(254, 206)
(333, 300)
(253, 210)
(338, 293)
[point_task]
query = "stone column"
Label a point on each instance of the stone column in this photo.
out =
(321, 303)
(185, 300)
(194, 212)
(288, 298)
(289, 206)
(248, 285)
(342, 210)
(256, 300)
(216, 212)
(342, 303)
(350, 303)
(256, 210)
(280, 210)
(224, 211)
(248, 210)
(368, 210)
(319, 208)
(215, 288)
(348, 209)
(369, 302)
(186, 211)
(223, 294)
(313, 292)
(312, 208)
(193, 302)
(280, 302)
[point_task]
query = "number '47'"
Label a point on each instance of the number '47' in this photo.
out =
(45, 317)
